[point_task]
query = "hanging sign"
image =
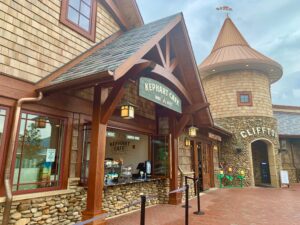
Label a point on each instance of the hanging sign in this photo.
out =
(50, 155)
(159, 93)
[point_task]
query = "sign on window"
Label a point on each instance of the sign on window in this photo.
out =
(50, 156)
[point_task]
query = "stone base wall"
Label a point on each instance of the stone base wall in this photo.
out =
(231, 156)
(290, 158)
(120, 199)
(181, 183)
(59, 209)
(66, 208)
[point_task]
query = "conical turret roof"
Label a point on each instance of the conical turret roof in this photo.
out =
(232, 52)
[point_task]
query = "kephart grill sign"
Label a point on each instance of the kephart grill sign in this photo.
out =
(159, 93)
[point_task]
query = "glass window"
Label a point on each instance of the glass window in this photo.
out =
(38, 153)
(125, 155)
(80, 15)
(244, 98)
(2, 123)
(80, 9)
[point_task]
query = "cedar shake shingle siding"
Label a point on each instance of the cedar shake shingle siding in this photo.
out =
(34, 43)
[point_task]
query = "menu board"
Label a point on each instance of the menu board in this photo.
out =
(284, 177)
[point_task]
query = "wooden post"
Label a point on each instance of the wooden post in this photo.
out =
(96, 164)
(174, 198)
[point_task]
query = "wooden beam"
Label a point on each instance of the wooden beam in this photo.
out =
(80, 83)
(181, 124)
(118, 90)
(168, 50)
(173, 65)
(174, 198)
(112, 100)
(96, 163)
(161, 71)
(15, 88)
(124, 67)
(195, 108)
(161, 55)
(117, 14)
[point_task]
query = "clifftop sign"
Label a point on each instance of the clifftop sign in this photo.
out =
(257, 131)
(159, 93)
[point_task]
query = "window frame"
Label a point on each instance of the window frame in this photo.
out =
(91, 35)
(249, 94)
(64, 143)
(3, 145)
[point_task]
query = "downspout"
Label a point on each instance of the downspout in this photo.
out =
(9, 156)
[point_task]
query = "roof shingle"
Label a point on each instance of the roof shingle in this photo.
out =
(288, 123)
(114, 54)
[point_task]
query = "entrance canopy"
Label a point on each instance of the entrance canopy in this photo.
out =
(160, 50)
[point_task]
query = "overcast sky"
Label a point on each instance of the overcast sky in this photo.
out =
(270, 26)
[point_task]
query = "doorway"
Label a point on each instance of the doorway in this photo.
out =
(203, 165)
(261, 166)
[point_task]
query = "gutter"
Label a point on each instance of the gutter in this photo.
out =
(9, 156)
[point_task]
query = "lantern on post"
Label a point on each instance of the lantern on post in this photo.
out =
(127, 111)
(187, 142)
(193, 131)
(40, 122)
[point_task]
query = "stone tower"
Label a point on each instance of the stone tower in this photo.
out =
(237, 81)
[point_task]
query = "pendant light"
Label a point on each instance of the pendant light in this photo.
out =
(40, 122)
(187, 142)
(127, 111)
(193, 130)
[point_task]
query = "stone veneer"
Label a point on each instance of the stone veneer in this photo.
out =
(66, 208)
(118, 199)
(243, 159)
(292, 153)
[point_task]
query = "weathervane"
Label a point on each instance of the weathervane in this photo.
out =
(224, 8)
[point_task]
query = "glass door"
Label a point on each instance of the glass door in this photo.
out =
(160, 155)
(86, 154)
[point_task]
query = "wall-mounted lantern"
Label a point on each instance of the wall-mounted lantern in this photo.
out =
(187, 142)
(193, 131)
(40, 122)
(127, 111)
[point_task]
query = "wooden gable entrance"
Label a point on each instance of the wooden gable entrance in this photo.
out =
(160, 51)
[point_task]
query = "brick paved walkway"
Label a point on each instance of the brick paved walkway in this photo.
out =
(249, 206)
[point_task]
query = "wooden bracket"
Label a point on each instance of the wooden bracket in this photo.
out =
(118, 90)
(112, 100)
(181, 124)
(195, 108)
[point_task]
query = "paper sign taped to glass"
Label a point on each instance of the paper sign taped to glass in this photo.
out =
(50, 156)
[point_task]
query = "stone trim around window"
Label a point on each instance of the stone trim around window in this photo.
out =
(91, 34)
(245, 94)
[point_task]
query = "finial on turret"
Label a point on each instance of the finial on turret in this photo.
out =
(224, 8)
